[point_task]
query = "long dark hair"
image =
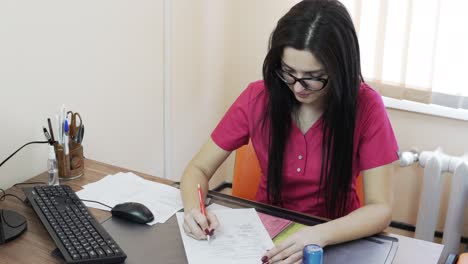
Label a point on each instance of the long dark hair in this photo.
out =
(325, 28)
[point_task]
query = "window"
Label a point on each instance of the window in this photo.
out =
(414, 49)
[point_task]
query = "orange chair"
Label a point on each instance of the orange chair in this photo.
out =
(247, 174)
(360, 189)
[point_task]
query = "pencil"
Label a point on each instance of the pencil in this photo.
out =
(202, 208)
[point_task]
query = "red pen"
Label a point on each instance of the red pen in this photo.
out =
(203, 210)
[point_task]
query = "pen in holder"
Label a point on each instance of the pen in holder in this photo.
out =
(70, 166)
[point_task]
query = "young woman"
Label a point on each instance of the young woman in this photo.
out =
(315, 125)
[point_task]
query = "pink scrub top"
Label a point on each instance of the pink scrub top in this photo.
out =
(374, 145)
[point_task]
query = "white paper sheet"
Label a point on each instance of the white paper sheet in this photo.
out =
(161, 199)
(214, 207)
(240, 239)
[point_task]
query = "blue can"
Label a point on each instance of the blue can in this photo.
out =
(312, 254)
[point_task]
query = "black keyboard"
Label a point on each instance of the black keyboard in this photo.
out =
(77, 234)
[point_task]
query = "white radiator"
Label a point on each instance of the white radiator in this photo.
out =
(435, 163)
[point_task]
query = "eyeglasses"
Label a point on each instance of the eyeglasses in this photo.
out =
(309, 83)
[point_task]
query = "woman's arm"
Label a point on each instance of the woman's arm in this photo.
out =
(368, 220)
(199, 171)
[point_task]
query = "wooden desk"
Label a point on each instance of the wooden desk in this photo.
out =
(35, 245)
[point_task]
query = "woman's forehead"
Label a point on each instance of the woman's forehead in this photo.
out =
(300, 60)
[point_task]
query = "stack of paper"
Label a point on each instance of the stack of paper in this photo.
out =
(273, 225)
(161, 199)
(241, 239)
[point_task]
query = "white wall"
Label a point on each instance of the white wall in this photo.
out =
(100, 58)
(105, 60)
(198, 53)
(218, 48)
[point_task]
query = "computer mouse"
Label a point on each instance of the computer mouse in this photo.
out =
(134, 212)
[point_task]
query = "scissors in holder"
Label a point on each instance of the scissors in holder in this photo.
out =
(76, 130)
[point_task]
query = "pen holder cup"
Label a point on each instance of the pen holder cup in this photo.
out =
(70, 166)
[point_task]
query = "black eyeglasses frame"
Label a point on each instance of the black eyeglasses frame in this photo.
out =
(301, 80)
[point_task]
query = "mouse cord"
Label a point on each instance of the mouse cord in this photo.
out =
(91, 201)
(3, 219)
(26, 183)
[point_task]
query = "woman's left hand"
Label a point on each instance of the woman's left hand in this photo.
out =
(290, 250)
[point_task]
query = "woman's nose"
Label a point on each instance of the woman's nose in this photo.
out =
(298, 87)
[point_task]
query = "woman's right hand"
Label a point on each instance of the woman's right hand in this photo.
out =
(198, 226)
